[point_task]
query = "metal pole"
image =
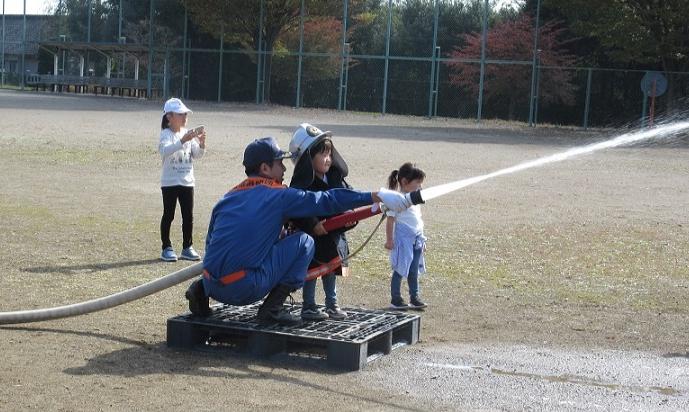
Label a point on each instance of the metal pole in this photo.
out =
(340, 103)
(222, 45)
(387, 57)
(346, 76)
(533, 65)
(88, 22)
(2, 74)
(184, 51)
(588, 98)
(433, 50)
(165, 73)
(150, 50)
(119, 40)
(188, 68)
(484, 37)
(643, 110)
(259, 55)
(437, 83)
(119, 23)
(23, 48)
(538, 88)
(301, 50)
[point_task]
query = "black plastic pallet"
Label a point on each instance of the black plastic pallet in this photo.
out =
(347, 344)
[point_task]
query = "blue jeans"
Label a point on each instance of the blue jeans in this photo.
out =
(329, 287)
(412, 279)
(286, 264)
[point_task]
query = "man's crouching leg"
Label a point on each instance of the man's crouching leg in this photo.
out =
(289, 262)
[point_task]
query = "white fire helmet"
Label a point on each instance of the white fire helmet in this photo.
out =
(305, 137)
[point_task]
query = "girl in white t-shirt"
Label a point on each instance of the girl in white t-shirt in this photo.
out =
(405, 240)
(178, 148)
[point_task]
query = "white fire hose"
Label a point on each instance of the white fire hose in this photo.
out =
(106, 302)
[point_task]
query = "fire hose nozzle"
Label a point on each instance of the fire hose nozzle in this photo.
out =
(415, 197)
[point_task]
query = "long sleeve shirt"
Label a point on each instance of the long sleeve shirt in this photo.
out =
(248, 220)
(178, 158)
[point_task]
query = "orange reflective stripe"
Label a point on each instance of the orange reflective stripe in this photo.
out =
(251, 182)
(323, 269)
(227, 279)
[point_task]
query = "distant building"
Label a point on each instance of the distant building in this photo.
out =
(38, 28)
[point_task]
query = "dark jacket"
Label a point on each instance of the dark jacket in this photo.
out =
(334, 243)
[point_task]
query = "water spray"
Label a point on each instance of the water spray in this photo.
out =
(339, 221)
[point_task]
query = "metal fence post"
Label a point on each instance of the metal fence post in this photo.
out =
(149, 85)
(259, 56)
(301, 51)
(431, 86)
(533, 65)
(387, 57)
(222, 46)
(343, 61)
(346, 76)
(23, 73)
(437, 83)
(484, 35)
(588, 98)
(2, 66)
(184, 51)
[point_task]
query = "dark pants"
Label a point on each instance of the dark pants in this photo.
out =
(286, 264)
(185, 195)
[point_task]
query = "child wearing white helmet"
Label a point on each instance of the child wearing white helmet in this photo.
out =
(319, 167)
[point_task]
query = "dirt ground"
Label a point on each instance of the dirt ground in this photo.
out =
(589, 254)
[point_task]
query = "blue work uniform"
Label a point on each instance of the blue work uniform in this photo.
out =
(245, 257)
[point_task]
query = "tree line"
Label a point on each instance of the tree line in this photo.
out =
(616, 34)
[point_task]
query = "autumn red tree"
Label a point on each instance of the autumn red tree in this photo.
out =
(321, 35)
(511, 83)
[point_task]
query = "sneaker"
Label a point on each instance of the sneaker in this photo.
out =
(399, 305)
(198, 301)
(168, 255)
(189, 254)
(313, 313)
(334, 312)
(416, 303)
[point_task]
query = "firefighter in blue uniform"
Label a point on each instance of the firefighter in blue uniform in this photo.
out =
(246, 256)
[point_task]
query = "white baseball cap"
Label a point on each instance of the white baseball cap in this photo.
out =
(174, 105)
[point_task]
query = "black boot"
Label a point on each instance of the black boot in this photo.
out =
(198, 301)
(272, 309)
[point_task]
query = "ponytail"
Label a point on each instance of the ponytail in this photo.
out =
(392, 180)
(407, 171)
(165, 123)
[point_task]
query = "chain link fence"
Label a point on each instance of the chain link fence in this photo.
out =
(389, 63)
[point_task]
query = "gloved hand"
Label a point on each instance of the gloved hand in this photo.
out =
(393, 200)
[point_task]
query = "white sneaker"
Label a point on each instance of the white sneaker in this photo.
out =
(168, 255)
(189, 254)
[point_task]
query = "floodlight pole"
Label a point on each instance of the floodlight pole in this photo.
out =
(484, 36)
(533, 66)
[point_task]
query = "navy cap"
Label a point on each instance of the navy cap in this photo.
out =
(263, 150)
